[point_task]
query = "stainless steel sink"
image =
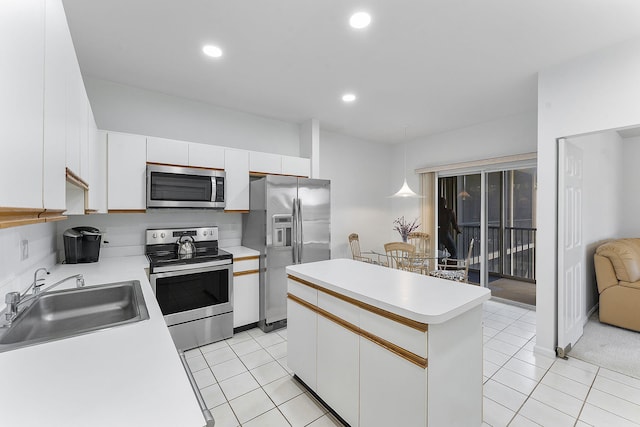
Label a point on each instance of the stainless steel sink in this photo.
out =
(62, 314)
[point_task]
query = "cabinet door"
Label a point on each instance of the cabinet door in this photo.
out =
(206, 156)
(21, 102)
(302, 342)
(74, 113)
(296, 166)
(126, 169)
(246, 307)
(55, 105)
(393, 391)
(98, 166)
(337, 369)
(85, 167)
(236, 166)
(167, 151)
(265, 163)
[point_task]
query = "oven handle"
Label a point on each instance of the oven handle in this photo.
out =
(210, 422)
(201, 266)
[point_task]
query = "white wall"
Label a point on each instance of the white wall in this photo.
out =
(630, 193)
(591, 93)
(359, 172)
(126, 232)
(124, 108)
(601, 203)
(17, 274)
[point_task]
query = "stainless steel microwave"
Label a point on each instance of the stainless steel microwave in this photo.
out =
(184, 187)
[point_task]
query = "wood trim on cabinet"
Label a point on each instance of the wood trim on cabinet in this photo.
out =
(397, 350)
(261, 174)
(236, 211)
(50, 215)
(14, 217)
(185, 166)
(422, 327)
(135, 211)
(246, 258)
(74, 179)
(245, 273)
(90, 211)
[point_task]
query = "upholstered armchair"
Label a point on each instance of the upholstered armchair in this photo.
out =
(617, 265)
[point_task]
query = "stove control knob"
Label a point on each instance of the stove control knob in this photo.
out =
(155, 235)
(162, 235)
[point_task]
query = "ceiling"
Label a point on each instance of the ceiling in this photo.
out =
(427, 65)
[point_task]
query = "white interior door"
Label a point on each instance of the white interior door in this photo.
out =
(570, 246)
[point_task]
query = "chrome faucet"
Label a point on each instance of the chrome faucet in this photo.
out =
(15, 300)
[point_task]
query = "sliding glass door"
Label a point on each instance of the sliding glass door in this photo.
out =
(503, 256)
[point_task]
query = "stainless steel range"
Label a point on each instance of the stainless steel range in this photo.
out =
(193, 283)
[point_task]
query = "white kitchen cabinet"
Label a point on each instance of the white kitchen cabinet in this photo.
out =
(302, 342)
(56, 65)
(167, 151)
(206, 156)
(97, 202)
(296, 166)
(382, 374)
(126, 169)
(236, 164)
(265, 163)
(246, 291)
(22, 37)
(337, 371)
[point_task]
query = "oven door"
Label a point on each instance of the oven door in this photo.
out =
(193, 292)
(176, 187)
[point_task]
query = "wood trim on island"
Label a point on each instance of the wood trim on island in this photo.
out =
(397, 350)
(422, 327)
(244, 273)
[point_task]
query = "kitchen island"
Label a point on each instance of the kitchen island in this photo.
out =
(129, 375)
(386, 347)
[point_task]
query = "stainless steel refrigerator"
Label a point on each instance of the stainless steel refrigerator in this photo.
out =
(289, 222)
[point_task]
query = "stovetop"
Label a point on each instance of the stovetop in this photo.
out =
(165, 258)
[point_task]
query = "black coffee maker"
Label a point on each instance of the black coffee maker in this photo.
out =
(81, 244)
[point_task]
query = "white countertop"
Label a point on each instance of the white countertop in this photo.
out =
(414, 296)
(125, 376)
(241, 251)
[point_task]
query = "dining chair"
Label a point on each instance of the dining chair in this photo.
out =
(399, 255)
(455, 269)
(356, 254)
(421, 258)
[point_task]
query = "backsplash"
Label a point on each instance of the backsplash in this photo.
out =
(16, 273)
(125, 233)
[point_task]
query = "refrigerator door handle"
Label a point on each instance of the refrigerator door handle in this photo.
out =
(294, 243)
(301, 234)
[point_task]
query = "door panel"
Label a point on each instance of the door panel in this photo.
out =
(570, 245)
(315, 198)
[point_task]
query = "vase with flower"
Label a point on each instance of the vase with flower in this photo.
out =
(404, 228)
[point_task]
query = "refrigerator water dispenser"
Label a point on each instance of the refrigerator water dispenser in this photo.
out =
(282, 226)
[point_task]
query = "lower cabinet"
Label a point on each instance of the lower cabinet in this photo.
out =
(382, 375)
(246, 291)
(337, 369)
(302, 342)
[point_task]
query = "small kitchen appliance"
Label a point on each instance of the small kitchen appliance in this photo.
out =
(192, 280)
(185, 187)
(81, 245)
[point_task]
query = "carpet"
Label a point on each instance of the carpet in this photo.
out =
(609, 346)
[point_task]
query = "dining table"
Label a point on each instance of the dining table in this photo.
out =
(418, 262)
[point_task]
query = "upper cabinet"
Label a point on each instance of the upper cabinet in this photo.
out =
(21, 103)
(126, 172)
(237, 180)
(296, 166)
(172, 152)
(265, 163)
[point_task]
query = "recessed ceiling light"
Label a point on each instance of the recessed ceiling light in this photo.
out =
(348, 97)
(360, 20)
(212, 51)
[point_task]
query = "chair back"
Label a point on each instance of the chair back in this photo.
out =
(398, 254)
(354, 242)
(420, 240)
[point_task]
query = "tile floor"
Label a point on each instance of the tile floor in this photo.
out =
(245, 381)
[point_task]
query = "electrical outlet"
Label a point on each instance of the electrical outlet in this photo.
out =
(24, 249)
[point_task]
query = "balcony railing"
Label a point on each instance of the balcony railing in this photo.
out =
(511, 251)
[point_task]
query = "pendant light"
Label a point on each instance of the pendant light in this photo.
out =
(405, 190)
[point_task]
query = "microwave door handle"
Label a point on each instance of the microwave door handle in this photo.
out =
(214, 189)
